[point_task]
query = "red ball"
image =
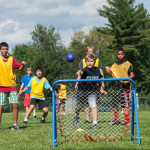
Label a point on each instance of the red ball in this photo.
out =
(70, 57)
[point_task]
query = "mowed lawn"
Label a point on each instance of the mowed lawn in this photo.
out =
(37, 136)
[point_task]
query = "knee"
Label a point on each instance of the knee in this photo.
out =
(45, 110)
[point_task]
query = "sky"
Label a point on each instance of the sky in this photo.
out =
(18, 18)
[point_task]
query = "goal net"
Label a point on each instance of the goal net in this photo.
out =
(85, 112)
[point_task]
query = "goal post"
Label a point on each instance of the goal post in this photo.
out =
(64, 112)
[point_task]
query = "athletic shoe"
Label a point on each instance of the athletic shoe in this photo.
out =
(75, 121)
(15, 127)
(94, 127)
(114, 122)
(127, 123)
(86, 121)
(42, 121)
(34, 117)
(25, 122)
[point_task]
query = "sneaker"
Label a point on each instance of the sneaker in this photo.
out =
(15, 127)
(42, 121)
(127, 123)
(86, 121)
(94, 126)
(75, 121)
(25, 122)
(34, 117)
(114, 122)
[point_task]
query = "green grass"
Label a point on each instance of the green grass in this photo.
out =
(37, 136)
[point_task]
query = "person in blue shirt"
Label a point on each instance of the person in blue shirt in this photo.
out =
(24, 82)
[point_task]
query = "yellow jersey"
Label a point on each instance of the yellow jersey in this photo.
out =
(7, 76)
(37, 88)
(62, 91)
(121, 70)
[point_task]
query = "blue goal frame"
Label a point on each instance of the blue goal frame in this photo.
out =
(134, 106)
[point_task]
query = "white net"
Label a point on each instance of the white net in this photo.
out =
(87, 114)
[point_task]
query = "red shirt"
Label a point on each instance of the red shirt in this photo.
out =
(9, 89)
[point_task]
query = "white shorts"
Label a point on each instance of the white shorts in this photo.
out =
(92, 100)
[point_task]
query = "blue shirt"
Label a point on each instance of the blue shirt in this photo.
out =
(46, 86)
(26, 79)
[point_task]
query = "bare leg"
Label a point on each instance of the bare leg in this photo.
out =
(29, 111)
(15, 113)
(1, 109)
(94, 113)
(87, 113)
(45, 112)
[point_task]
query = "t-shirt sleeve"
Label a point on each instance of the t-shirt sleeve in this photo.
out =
(80, 66)
(29, 84)
(22, 80)
(16, 64)
(84, 72)
(46, 84)
(130, 70)
(100, 65)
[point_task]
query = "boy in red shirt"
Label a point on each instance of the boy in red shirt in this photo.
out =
(8, 82)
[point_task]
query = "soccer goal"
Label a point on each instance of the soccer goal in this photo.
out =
(83, 112)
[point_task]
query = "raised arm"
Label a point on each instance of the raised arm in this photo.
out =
(23, 63)
(108, 70)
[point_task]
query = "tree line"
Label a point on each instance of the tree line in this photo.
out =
(128, 27)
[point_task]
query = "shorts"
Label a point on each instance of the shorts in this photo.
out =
(121, 95)
(13, 97)
(41, 103)
(27, 100)
(86, 98)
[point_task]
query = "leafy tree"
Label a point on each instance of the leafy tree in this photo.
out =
(130, 26)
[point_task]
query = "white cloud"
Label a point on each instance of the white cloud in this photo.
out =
(16, 35)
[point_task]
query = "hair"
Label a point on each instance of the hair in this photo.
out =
(38, 68)
(121, 49)
(92, 56)
(29, 68)
(92, 47)
(3, 44)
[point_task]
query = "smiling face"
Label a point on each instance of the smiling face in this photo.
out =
(4, 51)
(90, 51)
(39, 73)
(120, 55)
(90, 63)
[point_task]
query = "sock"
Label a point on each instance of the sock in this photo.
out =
(94, 122)
(43, 118)
(14, 124)
(116, 115)
(34, 112)
(127, 118)
(25, 119)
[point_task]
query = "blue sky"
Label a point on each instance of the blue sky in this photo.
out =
(19, 17)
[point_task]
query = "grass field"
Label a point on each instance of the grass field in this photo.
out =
(37, 136)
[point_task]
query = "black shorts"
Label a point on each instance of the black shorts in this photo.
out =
(121, 95)
(41, 103)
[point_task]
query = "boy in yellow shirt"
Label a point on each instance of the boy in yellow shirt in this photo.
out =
(37, 84)
(8, 81)
(121, 69)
